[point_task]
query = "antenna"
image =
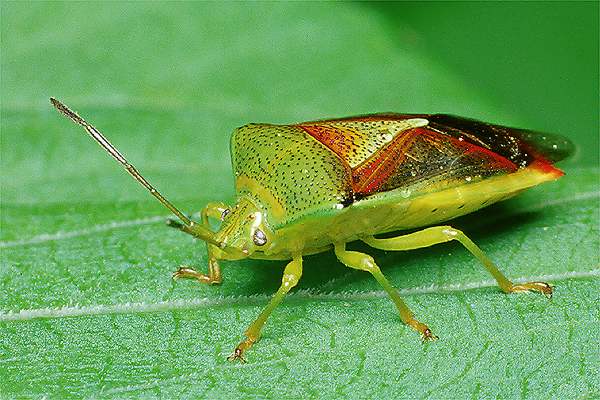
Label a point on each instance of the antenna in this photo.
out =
(199, 231)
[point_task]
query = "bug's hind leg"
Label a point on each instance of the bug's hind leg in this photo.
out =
(291, 276)
(213, 210)
(439, 234)
(365, 262)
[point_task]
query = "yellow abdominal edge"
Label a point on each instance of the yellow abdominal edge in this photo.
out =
(392, 211)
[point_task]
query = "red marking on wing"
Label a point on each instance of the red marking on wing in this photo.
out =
(374, 173)
(540, 162)
(375, 168)
(545, 166)
(337, 140)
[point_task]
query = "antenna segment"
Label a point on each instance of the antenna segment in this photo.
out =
(199, 231)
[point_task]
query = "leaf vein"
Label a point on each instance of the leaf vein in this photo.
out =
(165, 306)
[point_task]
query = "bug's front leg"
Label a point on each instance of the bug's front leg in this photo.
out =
(291, 276)
(440, 234)
(365, 262)
(215, 210)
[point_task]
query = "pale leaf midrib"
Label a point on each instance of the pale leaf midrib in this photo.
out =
(187, 304)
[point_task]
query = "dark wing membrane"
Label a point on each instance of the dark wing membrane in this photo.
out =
(551, 146)
(426, 160)
(520, 146)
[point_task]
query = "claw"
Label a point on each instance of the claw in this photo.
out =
(237, 355)
(175, 275)
(427, 335)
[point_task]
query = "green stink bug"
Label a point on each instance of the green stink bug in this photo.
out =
(310, 187)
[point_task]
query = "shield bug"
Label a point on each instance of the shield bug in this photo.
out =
(311, 187)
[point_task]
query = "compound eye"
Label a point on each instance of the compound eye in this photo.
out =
(259, 238)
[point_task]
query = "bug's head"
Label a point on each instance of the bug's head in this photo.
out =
(244, 230)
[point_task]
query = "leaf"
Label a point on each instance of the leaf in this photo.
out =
(87, 306)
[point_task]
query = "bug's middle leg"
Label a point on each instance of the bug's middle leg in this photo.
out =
(211, 210)
(365, 262)
(440, 234)
(291, 276)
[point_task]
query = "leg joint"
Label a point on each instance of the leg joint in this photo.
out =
(360, 261)
(451, 233)
(356, 260)
(292, 274)
(367, 263)
(290, 280)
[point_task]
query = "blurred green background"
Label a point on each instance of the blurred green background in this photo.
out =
(168, 82)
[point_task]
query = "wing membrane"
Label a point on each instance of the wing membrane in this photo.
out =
(423, 157)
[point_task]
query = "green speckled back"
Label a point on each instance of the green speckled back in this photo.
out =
(287, 171)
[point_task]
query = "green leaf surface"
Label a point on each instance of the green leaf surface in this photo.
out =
(87, 306)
